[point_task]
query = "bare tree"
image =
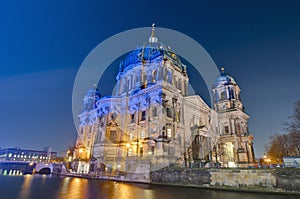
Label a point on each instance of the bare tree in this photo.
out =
(293, 123)
(293, 127)
(287, 144)
(294, 140)
(278, 147)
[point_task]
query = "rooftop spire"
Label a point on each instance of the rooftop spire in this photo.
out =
(153, 29)
(152, 38)
(222, 70)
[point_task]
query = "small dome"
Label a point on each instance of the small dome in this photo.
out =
(93, 92)
(90, 99)
(224, 79)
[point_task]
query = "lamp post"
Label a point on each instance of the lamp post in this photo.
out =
(268, 162)
(264, 160)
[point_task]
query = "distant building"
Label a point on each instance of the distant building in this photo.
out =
(151, 121)
(291, 161)
(25, 155)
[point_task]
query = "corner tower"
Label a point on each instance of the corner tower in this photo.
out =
(87, 131)
(235, 145)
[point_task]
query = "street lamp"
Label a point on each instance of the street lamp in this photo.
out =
(268, 162)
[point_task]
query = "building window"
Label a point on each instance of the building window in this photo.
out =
(130, 136)
(169, 76)
(129, 151)
(100, 135)
(152, 149)
(169, 133)
(169, 112)
(113, 136)
(142, 134)
(226, 130)
(223, 95)
(132, 120)
(154, 112)
(143, 116)
(154, 74)
(128, 85)
(141, 151)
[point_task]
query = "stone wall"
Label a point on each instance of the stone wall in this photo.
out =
(243, 178)
(182, 176)
(264, 180)
(288, 179)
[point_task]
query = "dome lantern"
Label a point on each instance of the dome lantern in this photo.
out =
(152, 38)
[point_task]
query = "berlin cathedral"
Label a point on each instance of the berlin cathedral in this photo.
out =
(151, 121)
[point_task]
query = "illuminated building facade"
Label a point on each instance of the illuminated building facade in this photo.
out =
(17, 161)
(151, 121)
(25, 155)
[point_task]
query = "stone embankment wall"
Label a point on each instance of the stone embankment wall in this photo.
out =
(264, 180)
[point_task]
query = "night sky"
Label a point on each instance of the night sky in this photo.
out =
(42, 45)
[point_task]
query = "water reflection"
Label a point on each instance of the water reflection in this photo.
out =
(72, 188)
(26, 187)
(122, 190)
(47, 187)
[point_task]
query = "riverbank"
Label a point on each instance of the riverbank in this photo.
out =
(274, 181)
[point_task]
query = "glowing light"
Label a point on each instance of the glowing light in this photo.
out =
(231, 164)
(169, 132)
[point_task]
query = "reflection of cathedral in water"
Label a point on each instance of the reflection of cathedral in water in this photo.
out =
(151, 122)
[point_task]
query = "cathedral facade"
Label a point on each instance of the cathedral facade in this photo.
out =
(151, 122)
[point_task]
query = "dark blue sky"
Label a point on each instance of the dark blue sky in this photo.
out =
(42, 45)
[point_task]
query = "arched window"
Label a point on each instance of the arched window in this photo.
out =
(113, 136)
(223, 95)
(169, 76)
(169, 112)
(154, 112)
(165, 74)
(154, 74)
(149, 78)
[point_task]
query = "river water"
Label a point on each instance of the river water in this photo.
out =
(55, 187)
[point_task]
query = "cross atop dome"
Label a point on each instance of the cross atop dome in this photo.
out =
(152, 38)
